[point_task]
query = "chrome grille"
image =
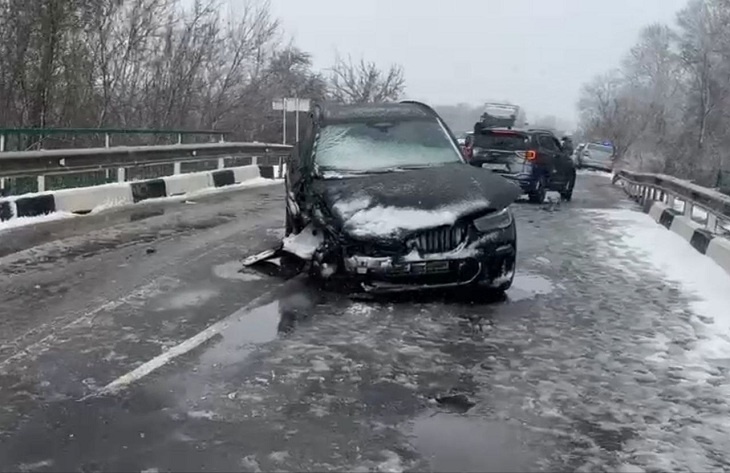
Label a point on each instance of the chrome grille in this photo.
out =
(440, 240)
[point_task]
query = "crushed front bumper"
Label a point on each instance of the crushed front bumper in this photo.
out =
(486, 267)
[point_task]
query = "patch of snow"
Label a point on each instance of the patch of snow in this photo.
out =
(335, 175)
(392, 464)
(23, 221)
(251, 183)
(384, 221)
(594, 172)
(208, 415)
(347, 208)
(527, 286)
(704, 282)
(279, 457)
(35, 466)
(328, 270)
(305, 243)
(503, 278)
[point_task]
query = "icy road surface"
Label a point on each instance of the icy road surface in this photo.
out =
(135, 344)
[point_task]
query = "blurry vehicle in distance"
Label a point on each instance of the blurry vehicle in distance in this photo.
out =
(596, 156)
(502, 115)
(466, 141)
(532, 158)
(380, 195)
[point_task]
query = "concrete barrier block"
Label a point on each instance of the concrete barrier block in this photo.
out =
(657, 210)
(6, 210)
(39, 204)
(150, 189)
(667, 217)
(719, 251)
(246, 173)
(185, 183)
(224, 177)
(86, 199)
(684, 227)
(267, 172)
(701, 240)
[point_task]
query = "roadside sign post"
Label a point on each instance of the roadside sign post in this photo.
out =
(291, 104)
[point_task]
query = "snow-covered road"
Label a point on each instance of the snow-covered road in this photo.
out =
(610, 353)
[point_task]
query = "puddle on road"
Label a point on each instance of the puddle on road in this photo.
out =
(253, 327)
(234, 270)
(263, 324)
(527, 286)
(458, 443)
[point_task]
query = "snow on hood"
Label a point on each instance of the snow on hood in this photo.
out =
(362, 220)
(393, 204)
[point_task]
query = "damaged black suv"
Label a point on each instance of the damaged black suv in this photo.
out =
(381, 194)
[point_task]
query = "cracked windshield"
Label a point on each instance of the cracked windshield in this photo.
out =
(374, 236)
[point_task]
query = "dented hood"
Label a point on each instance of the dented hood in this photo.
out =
(391, 205)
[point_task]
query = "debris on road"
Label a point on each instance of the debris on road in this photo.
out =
(456, 402)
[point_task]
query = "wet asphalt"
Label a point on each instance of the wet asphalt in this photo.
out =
(132, 341)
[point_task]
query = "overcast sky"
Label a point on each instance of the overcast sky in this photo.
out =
(536, 53)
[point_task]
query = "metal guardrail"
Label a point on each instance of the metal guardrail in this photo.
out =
(702, 205)
(119, 164)
(107, 133)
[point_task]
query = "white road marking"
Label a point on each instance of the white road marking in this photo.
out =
(180, 349)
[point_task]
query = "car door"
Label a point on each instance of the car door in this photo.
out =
(297, 166)
(549, 153)
(563, 163)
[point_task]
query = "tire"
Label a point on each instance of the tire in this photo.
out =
(567, 193)
(538, 195)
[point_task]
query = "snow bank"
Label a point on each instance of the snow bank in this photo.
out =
(594, 172)
(23, 221)
(703, 281)
(303, 244)
(363, 220)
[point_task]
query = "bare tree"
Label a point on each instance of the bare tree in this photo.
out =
(364, 82)
(670, 100)
(148, 64)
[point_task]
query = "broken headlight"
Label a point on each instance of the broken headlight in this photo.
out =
(494, 221)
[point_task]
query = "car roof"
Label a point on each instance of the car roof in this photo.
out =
(505, 129)
(333, 113)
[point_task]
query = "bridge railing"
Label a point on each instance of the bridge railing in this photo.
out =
(19, 139)
(705, 206)
(37, 171)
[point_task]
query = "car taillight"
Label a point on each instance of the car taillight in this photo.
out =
(531, 155)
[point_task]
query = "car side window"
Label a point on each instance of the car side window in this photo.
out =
(556, 143)
(547, 143)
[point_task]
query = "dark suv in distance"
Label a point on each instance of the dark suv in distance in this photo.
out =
(532, 158)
